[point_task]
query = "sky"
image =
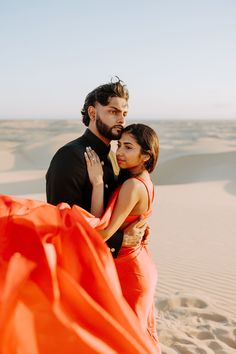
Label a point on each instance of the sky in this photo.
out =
(177, 57)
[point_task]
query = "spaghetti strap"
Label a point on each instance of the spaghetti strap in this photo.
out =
(150, 190)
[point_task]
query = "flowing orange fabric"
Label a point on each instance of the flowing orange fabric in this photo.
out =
(59, 289)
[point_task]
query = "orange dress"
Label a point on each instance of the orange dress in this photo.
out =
(138, 276)
(59, 289)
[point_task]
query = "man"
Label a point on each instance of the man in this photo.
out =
(104, 113)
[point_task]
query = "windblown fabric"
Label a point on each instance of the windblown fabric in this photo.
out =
(59, 288)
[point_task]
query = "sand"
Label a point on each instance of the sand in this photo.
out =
(193, 225)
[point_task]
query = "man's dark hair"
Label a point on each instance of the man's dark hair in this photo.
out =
(102, 95)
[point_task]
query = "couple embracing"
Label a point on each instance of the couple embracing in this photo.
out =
(94, 196)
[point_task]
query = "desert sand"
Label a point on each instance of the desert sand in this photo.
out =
(193, 228)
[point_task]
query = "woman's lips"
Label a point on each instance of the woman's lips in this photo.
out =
(120, 161)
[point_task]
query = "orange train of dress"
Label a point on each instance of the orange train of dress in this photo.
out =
(59, 289)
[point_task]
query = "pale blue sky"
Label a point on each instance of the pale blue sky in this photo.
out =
(178, 57)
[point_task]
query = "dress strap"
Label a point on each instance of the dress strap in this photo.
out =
(150, 190)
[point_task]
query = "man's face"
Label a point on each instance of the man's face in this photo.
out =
(110, 119)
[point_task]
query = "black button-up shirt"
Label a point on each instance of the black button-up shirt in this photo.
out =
(67, 178)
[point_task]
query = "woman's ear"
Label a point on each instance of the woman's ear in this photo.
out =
(92, 112)
(147, 156)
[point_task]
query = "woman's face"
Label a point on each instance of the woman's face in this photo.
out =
(128, 153)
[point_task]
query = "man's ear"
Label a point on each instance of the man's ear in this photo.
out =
(92, 112)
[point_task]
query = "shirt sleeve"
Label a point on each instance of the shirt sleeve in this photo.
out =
(115, 242)
(66, 177)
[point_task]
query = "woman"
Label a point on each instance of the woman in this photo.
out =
(57, 250)
(137, 154)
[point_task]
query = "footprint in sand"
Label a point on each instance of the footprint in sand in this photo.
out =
(190, 325)
(204, 335)
(193, 302)
(178, 302)
(215, 317)
(215, 346)
(189, 350)
(226, 337)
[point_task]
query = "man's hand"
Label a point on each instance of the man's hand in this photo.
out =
(134, 233)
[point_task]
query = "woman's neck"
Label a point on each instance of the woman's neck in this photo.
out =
(138, 173)
(125, 174)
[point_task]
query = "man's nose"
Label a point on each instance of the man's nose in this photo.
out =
(120, 119)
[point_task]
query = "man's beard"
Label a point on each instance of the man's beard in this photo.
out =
(106, 131)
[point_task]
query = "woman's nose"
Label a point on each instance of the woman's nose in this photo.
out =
(119, 151)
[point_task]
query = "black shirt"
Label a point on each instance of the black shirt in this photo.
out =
(67, 178)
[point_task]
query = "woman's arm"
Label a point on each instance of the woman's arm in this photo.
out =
(97, 208)
(95, 173)
(129, 196)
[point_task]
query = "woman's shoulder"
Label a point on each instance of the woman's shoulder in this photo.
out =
(133, 184)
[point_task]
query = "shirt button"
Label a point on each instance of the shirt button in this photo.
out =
(106, 185)
(102, 163)
(112, 249)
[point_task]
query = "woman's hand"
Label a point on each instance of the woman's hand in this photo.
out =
(94, 167)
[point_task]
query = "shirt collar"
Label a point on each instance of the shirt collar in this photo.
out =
(96, 144)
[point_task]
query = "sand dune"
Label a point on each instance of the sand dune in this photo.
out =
(198, 168)
(193, 223)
